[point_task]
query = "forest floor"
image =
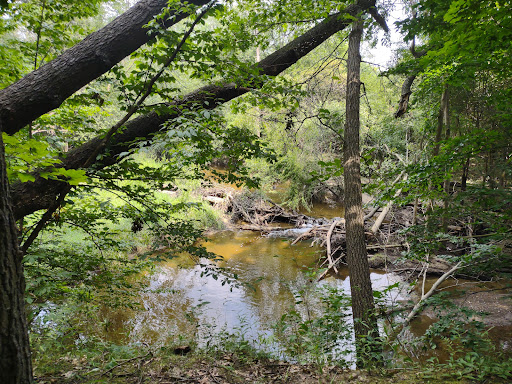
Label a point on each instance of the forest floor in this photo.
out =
(231, 368)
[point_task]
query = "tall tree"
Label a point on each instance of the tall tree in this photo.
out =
(15, 362)
(363, 307)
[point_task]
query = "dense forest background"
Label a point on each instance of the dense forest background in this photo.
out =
(116, 116)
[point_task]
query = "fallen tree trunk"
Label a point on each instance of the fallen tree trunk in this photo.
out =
(256, 228)
(32, 196)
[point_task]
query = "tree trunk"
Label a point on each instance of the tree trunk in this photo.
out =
(440, 121)
(363, 308)
(465, 173)
(15, 363)
(30, 197)
(446, 184)
(47, 87)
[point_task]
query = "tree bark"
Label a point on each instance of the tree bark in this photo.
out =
(32, 196)
(47, 87)
(439, 130)
(15, 362)
(363, 308)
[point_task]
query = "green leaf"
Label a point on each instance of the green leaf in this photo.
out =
(24, 177)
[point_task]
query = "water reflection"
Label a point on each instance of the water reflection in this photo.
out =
(181, 302)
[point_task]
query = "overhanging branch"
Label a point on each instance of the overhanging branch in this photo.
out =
(47, 87)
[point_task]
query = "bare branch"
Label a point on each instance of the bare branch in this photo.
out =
(425, 296)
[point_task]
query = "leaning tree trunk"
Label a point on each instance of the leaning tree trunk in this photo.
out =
(33, 196)
(47, 87)
(15, 363)
(363, 307)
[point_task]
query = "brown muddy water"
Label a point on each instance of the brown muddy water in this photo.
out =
(182, 303)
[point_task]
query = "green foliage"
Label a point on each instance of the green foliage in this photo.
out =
(25, 156)
(199, 137)
(62, 275)
(34, 32)
(236, 343)
(84, 253)
(86, 256)
(472, 355)
(304, 183)
(318, 338)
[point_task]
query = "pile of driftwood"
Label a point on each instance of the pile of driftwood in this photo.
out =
(253, 211)
(383, 241)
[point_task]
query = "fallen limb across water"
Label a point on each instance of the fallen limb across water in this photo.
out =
(425, 296)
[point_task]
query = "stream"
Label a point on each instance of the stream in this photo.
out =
(260, 279)
(181, 303)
